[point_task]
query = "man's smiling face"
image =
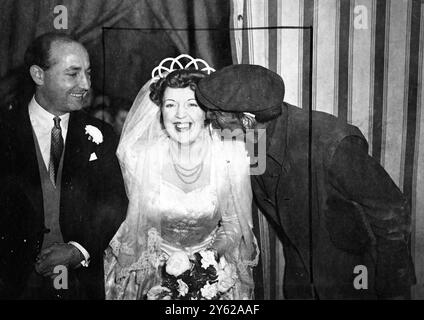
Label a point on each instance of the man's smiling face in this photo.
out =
(66, 82)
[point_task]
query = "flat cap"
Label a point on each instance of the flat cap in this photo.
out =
(241, 88)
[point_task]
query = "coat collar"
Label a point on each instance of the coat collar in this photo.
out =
(26, 157)
(40, 118)
(277, 137)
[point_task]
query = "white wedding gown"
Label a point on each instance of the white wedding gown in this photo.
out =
(189, 221)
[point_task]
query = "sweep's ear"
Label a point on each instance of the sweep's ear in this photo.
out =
(37, 74)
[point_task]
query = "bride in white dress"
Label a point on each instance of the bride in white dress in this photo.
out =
(188, 190)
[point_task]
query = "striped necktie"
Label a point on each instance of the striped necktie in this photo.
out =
(56, 149)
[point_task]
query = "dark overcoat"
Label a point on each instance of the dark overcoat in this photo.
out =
(336, 214)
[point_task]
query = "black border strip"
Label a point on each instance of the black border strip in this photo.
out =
(273, 35)
(308, 19)
(272, 65)
(208, 29)
(308, 41)
(343, 88)
(411, 121)
(379, 61)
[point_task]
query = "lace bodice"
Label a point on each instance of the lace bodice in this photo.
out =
(187, 218)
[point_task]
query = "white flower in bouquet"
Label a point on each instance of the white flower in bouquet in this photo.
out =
(182, 287)
(208, 259)
(226, 275)
(177, 264)
(209, 291)
(159, 293)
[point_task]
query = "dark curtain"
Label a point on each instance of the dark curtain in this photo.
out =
(124, 53)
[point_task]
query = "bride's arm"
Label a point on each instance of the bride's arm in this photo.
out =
(229, 231)
(235, 202)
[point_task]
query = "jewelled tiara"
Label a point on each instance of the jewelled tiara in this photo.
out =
(168, 65)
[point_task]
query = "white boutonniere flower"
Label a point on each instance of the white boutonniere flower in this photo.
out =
(94, 134)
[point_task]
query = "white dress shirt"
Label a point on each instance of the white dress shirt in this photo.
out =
(42, 123)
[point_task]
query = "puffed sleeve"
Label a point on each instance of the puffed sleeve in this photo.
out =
(235, 234)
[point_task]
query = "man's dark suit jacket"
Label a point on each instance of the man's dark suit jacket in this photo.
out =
(359, 216)
(92, 205)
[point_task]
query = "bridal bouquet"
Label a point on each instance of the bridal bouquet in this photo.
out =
(202, 277)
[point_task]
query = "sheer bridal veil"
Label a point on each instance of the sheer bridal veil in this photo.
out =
(134, 256)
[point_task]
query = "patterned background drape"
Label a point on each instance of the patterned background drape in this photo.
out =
(369, 73)
(132, 46)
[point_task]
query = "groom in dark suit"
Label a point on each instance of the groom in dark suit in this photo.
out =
(62, 196)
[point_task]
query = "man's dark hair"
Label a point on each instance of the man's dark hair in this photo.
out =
(38, 53)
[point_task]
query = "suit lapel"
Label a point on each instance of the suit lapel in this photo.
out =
(76, 149)
(26, 161)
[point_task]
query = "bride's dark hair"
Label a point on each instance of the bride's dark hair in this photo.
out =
(181, 78)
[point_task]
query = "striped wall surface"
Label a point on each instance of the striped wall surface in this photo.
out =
(367, 68)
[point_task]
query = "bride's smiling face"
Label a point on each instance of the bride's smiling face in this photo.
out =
(182, 117)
